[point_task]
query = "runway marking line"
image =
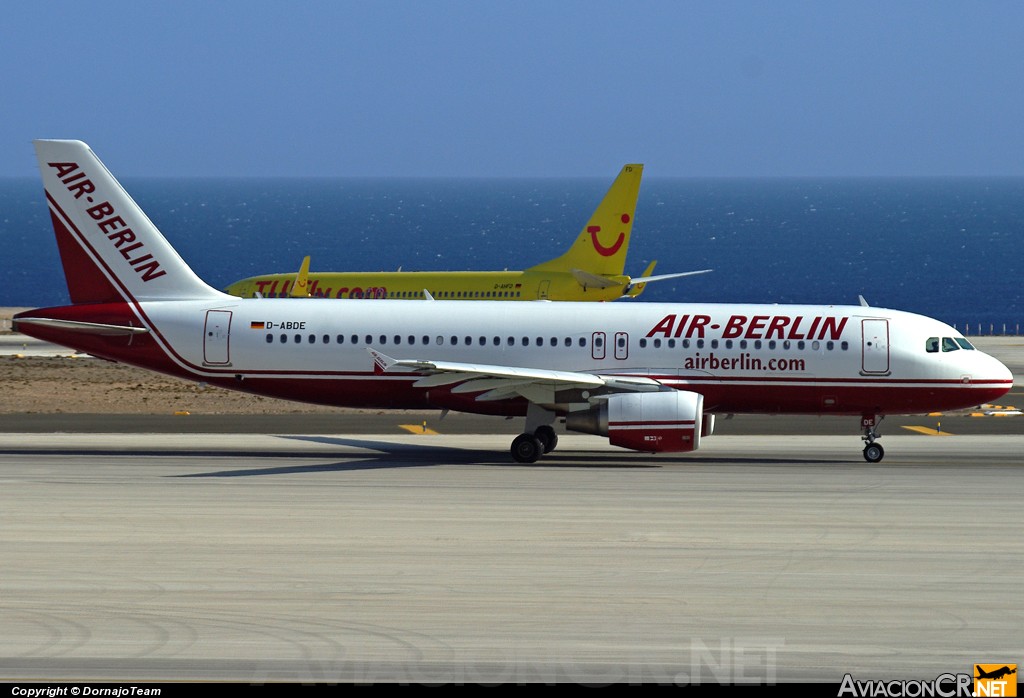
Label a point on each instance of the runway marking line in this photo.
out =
(928, 431)
(418, 429)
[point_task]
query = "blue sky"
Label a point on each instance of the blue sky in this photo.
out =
(528, 88)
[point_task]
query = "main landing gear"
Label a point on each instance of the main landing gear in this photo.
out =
(527, 448)
(539, 438)
(873, 451)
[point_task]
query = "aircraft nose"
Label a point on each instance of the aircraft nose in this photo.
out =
(1004, 372)
(996, 371)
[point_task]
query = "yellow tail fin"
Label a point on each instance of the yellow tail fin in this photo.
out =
(602, 244)
(300, 289)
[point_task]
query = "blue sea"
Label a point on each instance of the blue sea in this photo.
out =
(949, 248)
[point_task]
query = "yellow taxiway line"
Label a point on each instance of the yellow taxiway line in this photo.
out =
(928, 431)
(418, 429)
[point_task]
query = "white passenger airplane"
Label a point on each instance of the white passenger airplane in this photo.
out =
(648, 376)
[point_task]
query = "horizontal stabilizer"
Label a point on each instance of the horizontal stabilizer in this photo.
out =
(634, 283)
(663, 277)
(588, 280)
(93, 328)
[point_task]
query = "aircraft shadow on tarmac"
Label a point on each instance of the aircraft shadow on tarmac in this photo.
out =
(392, 455)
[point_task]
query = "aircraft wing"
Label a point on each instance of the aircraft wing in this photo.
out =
(501, 382)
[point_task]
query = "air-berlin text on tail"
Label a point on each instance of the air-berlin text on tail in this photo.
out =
(751, 327)
(110, 224)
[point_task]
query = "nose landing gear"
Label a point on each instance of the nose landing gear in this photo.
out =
(873, 451)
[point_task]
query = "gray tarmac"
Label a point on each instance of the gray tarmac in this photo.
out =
(340, 548)
(419, 558)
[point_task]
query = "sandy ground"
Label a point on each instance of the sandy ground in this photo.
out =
(85, 385)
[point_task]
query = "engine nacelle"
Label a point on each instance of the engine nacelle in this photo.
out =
(670, 422)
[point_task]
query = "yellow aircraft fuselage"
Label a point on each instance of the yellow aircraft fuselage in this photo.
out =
(448, 285)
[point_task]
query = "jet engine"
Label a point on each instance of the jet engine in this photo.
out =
(670, 421)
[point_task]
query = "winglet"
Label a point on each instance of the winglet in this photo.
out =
(382, 363)
(300, 289)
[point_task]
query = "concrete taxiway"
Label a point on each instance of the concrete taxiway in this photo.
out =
(323, 548)
(432, 558)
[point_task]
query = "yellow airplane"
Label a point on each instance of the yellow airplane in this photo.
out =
(590, 270)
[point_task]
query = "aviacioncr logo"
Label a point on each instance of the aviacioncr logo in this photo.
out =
(601, 249)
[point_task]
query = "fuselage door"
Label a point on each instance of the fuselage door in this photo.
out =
(875, 346)
(217, 337)
(621, 346)
(543, 289)
(597, 345)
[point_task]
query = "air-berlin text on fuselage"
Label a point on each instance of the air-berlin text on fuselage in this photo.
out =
(110, 224)
(751, 327)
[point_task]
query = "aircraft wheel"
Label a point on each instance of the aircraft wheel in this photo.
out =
(873, 453)
(548, 438)
(527, 448)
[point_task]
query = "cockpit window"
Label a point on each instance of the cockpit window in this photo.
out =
(932, 345)
(964, 343)
(948, 344)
